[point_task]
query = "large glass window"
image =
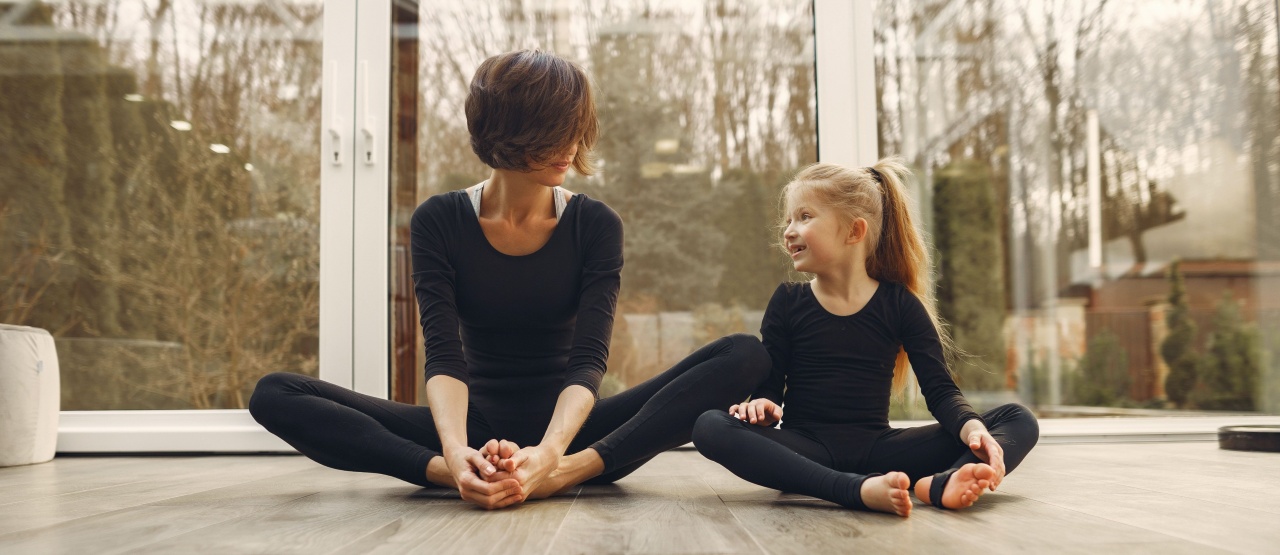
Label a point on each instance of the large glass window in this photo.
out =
(706, 109)
(1101, 182)
(159, 190)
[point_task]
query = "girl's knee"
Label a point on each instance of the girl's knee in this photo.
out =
(1019, 418)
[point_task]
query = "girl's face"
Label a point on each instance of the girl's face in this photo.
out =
(814, 237)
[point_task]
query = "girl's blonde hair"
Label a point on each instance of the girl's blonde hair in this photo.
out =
(897, 249)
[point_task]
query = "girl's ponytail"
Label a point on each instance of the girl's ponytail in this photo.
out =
(900, 254)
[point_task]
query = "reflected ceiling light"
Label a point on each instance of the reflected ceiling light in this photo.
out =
(666, 146)
(220, 148)
(134, 97)
(248, 166)
(180, 125)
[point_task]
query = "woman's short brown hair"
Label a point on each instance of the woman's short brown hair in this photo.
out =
(528, 106)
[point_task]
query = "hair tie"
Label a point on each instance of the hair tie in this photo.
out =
(876, 175)
(884, 191)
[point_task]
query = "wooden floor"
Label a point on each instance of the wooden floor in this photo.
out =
(1121, 498)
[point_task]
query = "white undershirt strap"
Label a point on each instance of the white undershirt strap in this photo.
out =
(561, 196)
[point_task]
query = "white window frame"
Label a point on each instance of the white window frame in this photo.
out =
(235, 430)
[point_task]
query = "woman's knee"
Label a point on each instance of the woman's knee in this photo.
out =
(269, 391)
(750, 356)
(709, 431)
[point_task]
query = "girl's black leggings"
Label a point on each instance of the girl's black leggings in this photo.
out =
(346, 430)
(796, 462)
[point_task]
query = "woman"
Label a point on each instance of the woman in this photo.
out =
(517, 281)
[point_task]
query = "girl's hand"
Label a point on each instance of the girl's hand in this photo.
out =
(986, 448)
(469, 467)
(761, 412)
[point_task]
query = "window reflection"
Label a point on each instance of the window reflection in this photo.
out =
(1078, 163)
(158, 194)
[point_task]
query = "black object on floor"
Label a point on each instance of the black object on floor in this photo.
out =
(1249, 438)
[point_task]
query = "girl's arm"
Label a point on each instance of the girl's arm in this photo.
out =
(776, 335)
(924, 350)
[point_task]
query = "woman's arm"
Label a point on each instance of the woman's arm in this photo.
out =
(446, 369)
(465, 467)
(600, 230)
(431, 237)
(531, 465)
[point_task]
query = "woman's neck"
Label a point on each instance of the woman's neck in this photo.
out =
(513, 197)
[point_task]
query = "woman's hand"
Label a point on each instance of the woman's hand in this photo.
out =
(529, 466)
(761, 412)
(469, 468)
(985, 447)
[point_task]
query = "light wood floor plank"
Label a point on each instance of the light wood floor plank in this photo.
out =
(648, 514)
(458, 527)
(317, 523)
(148, 483)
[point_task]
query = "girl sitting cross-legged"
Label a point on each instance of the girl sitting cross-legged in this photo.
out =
(840, 344)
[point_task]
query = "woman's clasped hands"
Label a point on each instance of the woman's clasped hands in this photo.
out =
(501, 473)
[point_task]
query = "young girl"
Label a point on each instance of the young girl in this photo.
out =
(840, 343)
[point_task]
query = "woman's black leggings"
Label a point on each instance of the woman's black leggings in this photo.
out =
(793, 461)
(342, 429)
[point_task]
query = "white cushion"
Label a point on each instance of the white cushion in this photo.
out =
(29, 395)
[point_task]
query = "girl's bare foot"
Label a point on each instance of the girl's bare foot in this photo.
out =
(888, 493)
(964, 487)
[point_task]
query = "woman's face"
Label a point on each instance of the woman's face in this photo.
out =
(551, 173)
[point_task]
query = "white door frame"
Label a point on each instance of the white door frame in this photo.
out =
(846, 81)
(371, 287)
(235, 430)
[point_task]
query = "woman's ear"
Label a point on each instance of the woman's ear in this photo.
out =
(857, 231)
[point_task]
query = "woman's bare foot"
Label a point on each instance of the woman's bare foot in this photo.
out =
(573, 470)
(888, 493)
(964, 487)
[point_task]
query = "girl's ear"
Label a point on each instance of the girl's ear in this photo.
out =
(857, 232)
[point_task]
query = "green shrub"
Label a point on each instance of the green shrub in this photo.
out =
(1229, 370)
(1103, 378)
(970, 288)
(1177, 348)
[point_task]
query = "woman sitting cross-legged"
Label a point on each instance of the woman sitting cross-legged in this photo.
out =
(840, 344)
(517, 281)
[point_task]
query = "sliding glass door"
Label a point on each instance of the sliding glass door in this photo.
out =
(175, 205)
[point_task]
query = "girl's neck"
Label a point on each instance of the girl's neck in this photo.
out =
(847, 286)
(514, 197)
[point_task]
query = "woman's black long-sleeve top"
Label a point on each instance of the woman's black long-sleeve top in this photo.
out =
(516, 329)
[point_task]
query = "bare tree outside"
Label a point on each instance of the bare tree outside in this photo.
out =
(1117, 136)
(170, 241)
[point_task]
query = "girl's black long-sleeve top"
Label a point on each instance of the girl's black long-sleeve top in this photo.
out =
(837, 371)
(516, 329)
